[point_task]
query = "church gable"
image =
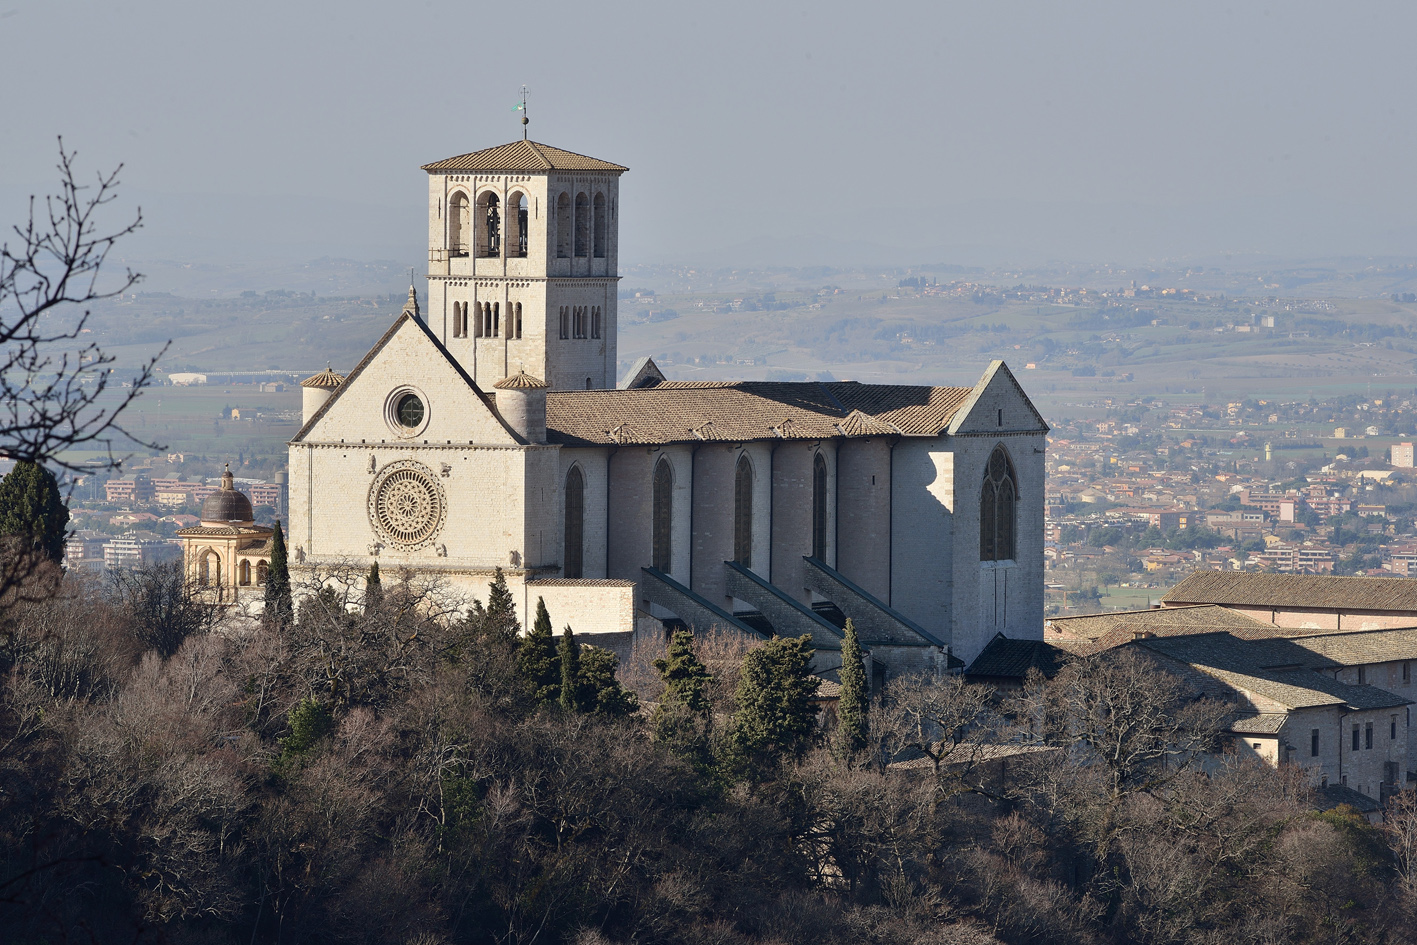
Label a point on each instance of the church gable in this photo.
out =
(997, 404)
(408, 389)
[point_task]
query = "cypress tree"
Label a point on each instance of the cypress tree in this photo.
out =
(537, 660)
(854, 704)
(278, 604)
(373, 590)
(775, 715)
(569, 653)
(685, 678)
(499, 619)
(32, 509)
(681, 719)
(601, 692)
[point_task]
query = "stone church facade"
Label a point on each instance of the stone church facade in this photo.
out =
(486, 433)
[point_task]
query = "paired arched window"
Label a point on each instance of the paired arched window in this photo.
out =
(516, 224)
(743, 512)
(998, 506)
(514, 319)
(574, 566)
(459, 225)
(563, 226)
(582, 225)
(819, 508)
(565, 314)
(663, 515)
(489, 225)
(459, 319)
(595, 321)
(600, 227)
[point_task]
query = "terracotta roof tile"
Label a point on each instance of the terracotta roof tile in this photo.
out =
(737, 411)
(523, 156)
(1363, 647)
(1295, 590)
(520, 381)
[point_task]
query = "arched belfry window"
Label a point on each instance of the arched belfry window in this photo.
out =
(489, 225)
(819, 508)
(743, 513)
(998, 503)
(582, 225)
(663, 512)
(516, 225)
(600, 227)
(459, 225)
(575, 524)
(563, 226)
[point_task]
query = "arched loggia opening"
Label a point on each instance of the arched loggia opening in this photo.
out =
(516, 224)
(563, 226)
(459, 228)
(489, 225)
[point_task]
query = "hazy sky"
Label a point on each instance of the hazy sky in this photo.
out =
(754, 131)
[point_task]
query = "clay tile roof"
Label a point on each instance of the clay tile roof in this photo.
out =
(523, 156)
(1012, 659)
(738, 411)
(1295, 590)
(1361, 647)
(326, 379)
(521, 381)
(860, 424)
(1121, 626)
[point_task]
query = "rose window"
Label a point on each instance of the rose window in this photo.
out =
(406, 505)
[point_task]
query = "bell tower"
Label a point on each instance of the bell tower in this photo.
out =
(523, 245)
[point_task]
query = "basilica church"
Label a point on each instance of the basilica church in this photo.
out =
(488, 431)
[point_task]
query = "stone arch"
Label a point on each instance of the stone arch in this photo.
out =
(574, 561)
(563, 226)
(489, 224)
(208, 568)
(743, 511)
(599, 230)
(819, 507)
(582, 225)
(243, 571)
(662, 528)
(263, 570)
(517, 219)
(459, 224)
(998, 508)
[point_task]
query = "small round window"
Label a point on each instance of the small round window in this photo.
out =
(409, 411)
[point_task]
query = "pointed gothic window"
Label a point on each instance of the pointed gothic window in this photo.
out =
(582, 225)
(663, 513)
(819, 508)
(575, 524)
(458, 225)
(743, 513)
(563, 226)
(998, 503)
(600, 228)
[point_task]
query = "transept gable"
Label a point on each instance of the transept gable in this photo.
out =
(997, 404)
(408, 360)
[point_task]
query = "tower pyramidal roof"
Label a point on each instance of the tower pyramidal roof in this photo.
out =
(523, 155)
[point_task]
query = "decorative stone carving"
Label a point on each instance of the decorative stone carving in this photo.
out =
(407, 507)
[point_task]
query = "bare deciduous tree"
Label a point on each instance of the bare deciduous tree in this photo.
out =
(52, 386)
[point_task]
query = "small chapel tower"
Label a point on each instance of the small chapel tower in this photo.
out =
(522, 263)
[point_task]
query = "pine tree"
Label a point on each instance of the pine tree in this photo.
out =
(775, 715)
(32, 509)
(373, 590)
(278, 603)
(537, 659)
(569, 653)
(854, 703)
